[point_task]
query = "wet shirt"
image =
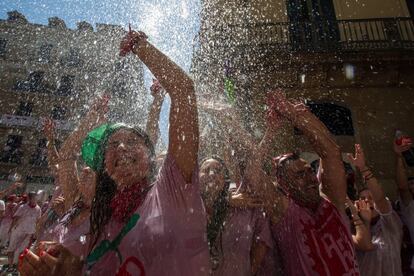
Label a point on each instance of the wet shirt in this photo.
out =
(165, 236)
(387, 238)
(10, 208)
(315, 243)
(242, 228)
(28, 217)
(71, 236)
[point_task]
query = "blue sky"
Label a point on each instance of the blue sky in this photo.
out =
(170, 24)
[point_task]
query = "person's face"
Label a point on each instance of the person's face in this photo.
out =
(33, 200)
(212, 179)
(127, 158)
(301, 182)
(366, 195)
(87, 184)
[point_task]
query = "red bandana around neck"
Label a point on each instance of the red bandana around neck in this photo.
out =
(125, 202)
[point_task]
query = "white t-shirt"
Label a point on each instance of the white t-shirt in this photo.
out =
(385, 259)
(28, 217)
(2, 206)
(407, 215)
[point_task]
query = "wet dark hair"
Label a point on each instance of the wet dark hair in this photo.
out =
(31, 195)
(106, 189)
(220, 207)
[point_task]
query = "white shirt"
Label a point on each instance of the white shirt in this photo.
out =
(27, 218)
(2, 206)
(385, 259)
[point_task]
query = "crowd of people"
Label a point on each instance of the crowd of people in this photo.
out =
(119, 208)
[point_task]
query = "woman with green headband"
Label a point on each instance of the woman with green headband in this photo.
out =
(138, 228)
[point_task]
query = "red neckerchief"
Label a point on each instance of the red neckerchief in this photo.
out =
(125, 202)
(32, 206)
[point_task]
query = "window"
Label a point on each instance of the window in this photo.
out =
(72, 59)
(44, 53)
(39, 158)
(338, 119)
(11, 152)
(39, 179)
(65, 86)
(33, 84)
(58, 113)
(3, 45)
(24, 109)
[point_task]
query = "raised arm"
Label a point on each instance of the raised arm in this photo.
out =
(52, 153)
(152, 128)
(183, 132)
(401, 173)
(361, 219)
(67, 171)
(378, 195)
(333, 178)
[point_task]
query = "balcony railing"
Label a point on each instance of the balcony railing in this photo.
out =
(27, 121)
(14, 120)
(319, 35)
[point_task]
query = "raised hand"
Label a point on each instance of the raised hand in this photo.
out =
(157, 91)
(358, 160)
(404, 146)
(131, 41)
(365, 211)
(58, 205)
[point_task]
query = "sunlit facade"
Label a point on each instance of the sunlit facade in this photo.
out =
(53, 71)
(351, 60)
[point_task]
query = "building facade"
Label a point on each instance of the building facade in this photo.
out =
(53, 71)
(351, 60)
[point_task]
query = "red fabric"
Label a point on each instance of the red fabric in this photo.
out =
(329, 247)
(127, 201)
(123, 269)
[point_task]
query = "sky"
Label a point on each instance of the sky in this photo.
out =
(170, 24)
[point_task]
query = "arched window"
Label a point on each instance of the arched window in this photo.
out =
(338, 119)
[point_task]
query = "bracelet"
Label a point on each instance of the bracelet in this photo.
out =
(359, 224)
(368, 177)
(366, 170)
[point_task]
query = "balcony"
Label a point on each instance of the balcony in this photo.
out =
(27, 121)
(313, 36)
(14, 120)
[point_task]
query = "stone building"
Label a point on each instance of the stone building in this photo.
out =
(53, 71)
(353, 61)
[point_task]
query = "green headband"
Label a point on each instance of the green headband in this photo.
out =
(93, 147)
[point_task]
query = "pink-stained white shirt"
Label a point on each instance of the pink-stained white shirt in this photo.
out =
(170, 235)
(28, 217)
(315, 243)
(387, 238)
(242, 228)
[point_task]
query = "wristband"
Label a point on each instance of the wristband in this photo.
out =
(366, 170)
